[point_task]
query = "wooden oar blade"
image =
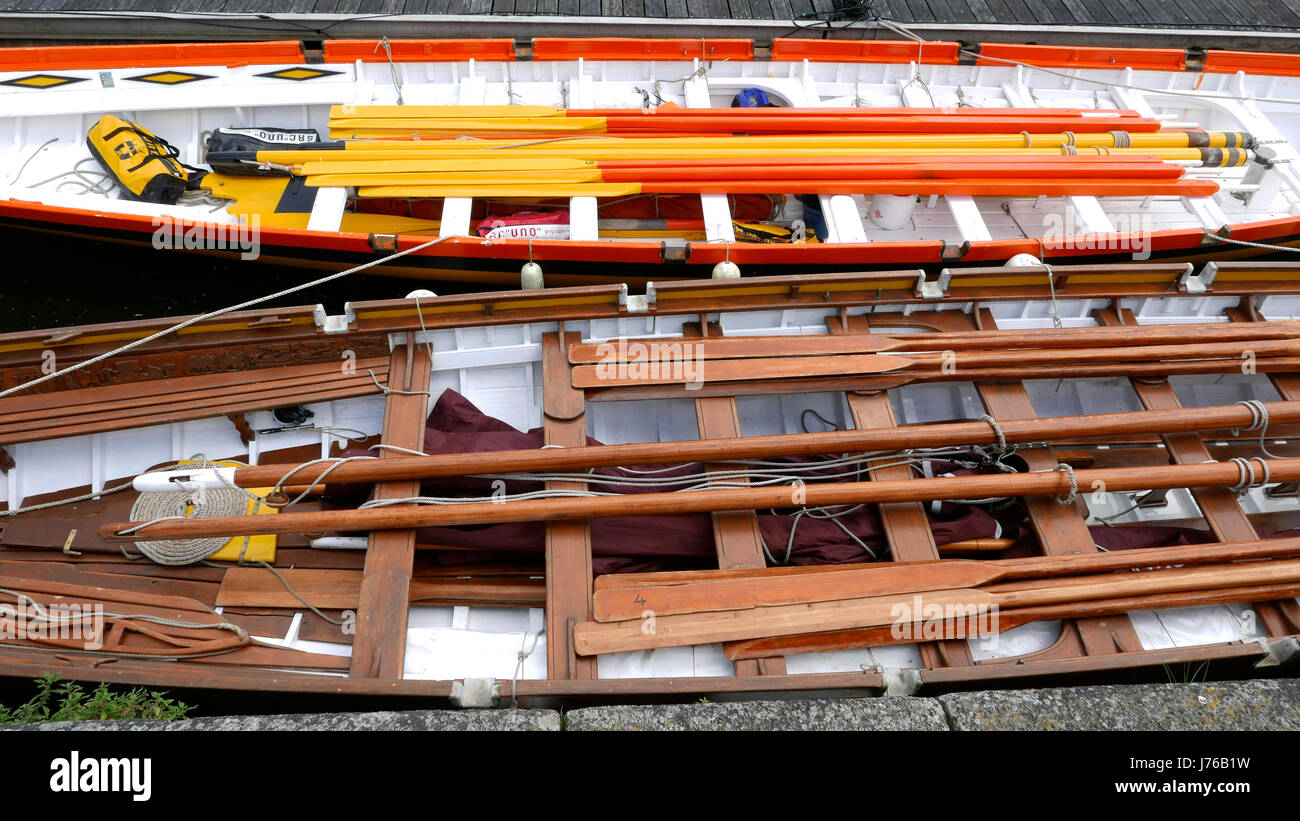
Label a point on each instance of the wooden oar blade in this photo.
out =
(738, 594)
(669, 371)
(747, 347)
(592, 638)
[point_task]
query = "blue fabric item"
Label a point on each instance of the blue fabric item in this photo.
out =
(812, 215)
(752, 98)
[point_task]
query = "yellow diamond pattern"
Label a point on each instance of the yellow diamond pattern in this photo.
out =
(168, 77)
(298, 74)
(42, 81)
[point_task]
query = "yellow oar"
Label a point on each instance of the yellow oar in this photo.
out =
(402, 166)
(350, 128)
(504, 191)
(458, 178)
(443, 111)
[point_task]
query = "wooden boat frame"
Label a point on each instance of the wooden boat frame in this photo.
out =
(1095, 648)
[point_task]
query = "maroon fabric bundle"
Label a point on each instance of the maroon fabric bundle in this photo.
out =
(642, 543)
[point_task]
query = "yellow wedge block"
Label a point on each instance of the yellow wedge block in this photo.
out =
(259, 548)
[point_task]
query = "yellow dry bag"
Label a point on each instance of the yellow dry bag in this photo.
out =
(144, 165)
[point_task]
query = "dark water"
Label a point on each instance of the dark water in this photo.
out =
(50, 282)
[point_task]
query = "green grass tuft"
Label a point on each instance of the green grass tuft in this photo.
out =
(58, 700)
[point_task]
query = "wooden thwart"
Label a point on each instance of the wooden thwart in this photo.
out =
(341, 590)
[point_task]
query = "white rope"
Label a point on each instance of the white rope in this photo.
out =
(1259, 422)
(210, 314)
(387, 390)
(82, 498)
(1051, 287)
(1265, 245)
(1247, 478)
(399, 447)
(901, 29)
(397, 79)
(521, 658)
(1068, 499)
(28, 161)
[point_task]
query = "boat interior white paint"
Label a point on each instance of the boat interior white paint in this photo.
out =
(498, 368)
(42, 132)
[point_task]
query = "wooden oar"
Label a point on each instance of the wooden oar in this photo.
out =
(746, 347)
(1045, 483)
(683, 368)
(762, 588)
(592, 638)
(966, 627)
(1100, 425)
(897, 379)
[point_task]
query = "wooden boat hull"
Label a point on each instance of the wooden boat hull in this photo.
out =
(569, 263)
(185, 90)
(212, 389)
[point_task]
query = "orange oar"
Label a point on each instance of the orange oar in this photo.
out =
(938, 171)
(789, 111)
(975, 187)
(967, 187)
(758, 124)
(1083, 160)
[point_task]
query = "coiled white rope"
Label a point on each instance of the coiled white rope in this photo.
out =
(153, 507)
